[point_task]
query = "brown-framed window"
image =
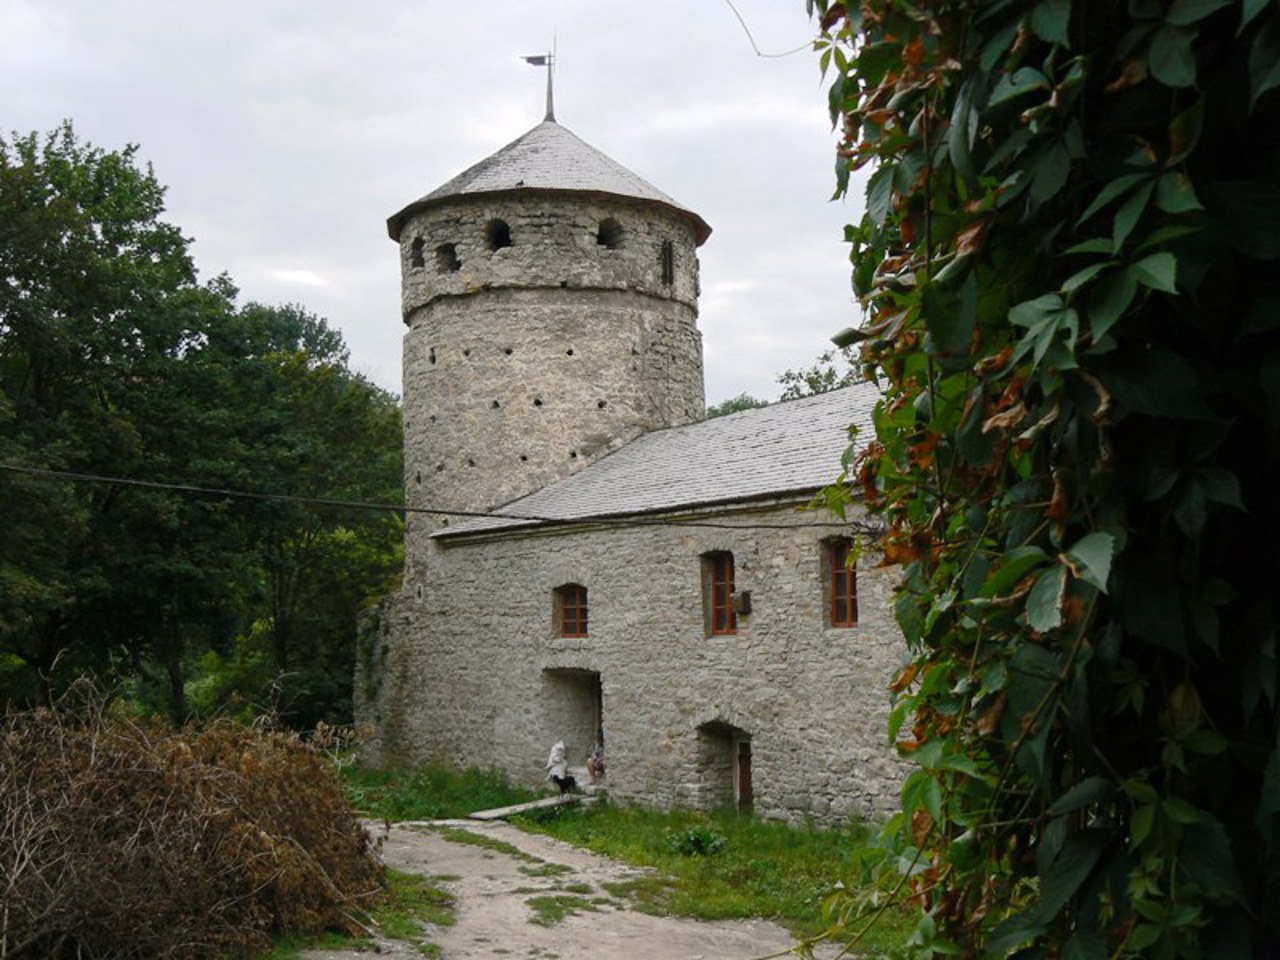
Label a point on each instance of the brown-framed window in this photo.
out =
(571, 610)
(717, 581)
(842, 584)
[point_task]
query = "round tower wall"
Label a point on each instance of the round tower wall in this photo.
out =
(531, 360)
(551, 239)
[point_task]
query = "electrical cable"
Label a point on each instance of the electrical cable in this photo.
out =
(591, 519)
(759, 52)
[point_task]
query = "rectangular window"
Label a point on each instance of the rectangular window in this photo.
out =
(668, 262)
(843, 585)
(717, 574)
(573, 610)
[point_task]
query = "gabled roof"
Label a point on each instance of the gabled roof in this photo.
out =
(548, 157)
(787, 448)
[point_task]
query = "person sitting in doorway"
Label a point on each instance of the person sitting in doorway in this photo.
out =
(595, 759)
(558, 769)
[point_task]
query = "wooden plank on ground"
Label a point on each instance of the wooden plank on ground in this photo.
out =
(501, 813)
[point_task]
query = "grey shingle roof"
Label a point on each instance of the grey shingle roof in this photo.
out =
(548, 157)
(785, 448)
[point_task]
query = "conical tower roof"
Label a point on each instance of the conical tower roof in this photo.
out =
(547, 158)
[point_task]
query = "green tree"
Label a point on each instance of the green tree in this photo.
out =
(743, 401)
(1067, 263)
(99, 303)
(116, 362)
(832, 370)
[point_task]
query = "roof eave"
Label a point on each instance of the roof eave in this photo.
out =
(396, 222)
(776, 498)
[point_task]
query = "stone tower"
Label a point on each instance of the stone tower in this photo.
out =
(551, 301)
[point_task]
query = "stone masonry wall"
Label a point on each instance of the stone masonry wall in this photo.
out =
(484, 673)
(526, 362)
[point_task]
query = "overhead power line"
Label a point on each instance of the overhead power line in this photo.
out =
(759, 52)
(589, 520)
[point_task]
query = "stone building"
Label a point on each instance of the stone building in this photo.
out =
(586, 552)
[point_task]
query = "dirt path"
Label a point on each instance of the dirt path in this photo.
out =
(495, 918)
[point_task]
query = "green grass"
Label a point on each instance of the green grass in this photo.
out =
(432, 793)
(457, 835)
(551, 909)
(410, 902)
(723, 866)
(760, 869)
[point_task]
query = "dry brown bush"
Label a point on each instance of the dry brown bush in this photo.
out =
(122, 838)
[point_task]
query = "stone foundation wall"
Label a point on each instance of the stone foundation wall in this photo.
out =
(483, 674)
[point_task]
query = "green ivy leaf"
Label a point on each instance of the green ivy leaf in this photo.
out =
(961, 132)
(1070, 869)
(1171, 59)
(1050, 19)
(1114, 189)
(1175, 194)
(1029, 313)
(1044, 603)
(1140, 825)
(1108, 300)
(880, 193)
(1183, 13)
(1184, 132)
(1017, 564)
(1093, 554)
(1264, 62)
(1081, 277)
(1206, 859)
(1083, 794)
(1017, 84)
(1158, 271)
(1129, 213)
(1096, 245)
(1251, 9)
(1049, 172)
(1220, 486)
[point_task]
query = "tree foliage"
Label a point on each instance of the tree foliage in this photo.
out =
(743, 401)
(116, 362)
(832, 370)
(1067, 263)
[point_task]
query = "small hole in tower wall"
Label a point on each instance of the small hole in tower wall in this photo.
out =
(569, 352)
(466, 353)
(609, 234)
(537, 402)
(524, 458)
(418, 477)
(471, 463)
(573, 454)
(600, 404)
(431, 356)
(496, 405)
(508, 351)
(447, 258)
(498, 234)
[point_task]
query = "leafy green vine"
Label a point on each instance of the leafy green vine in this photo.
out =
(1067, 267)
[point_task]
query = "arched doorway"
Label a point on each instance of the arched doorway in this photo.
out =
(572, 710)
(724, 767)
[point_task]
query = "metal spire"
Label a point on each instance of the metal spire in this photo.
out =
(546, 60)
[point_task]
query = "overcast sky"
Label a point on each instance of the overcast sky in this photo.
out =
(288, 131)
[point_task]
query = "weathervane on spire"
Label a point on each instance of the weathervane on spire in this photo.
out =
(545, 60)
